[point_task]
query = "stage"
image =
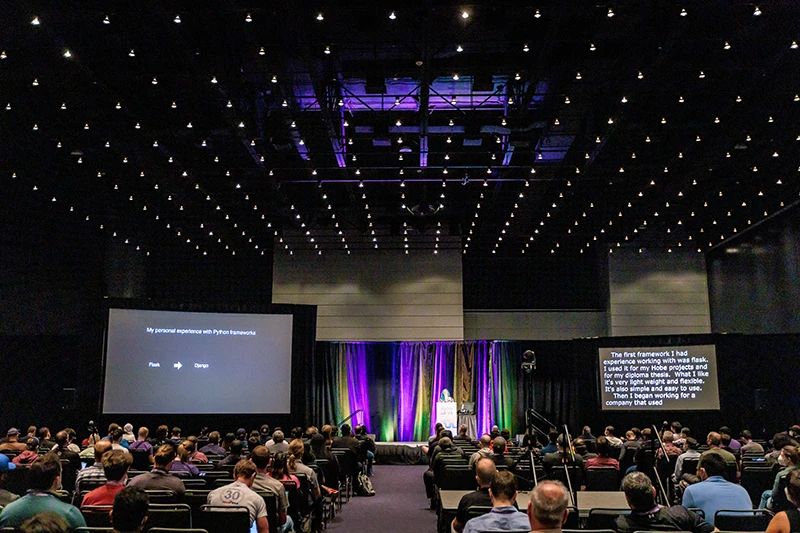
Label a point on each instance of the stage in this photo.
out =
(400, 453)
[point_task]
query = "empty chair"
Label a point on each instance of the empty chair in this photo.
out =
(604, 518)
(602, 479)
(194, 483)
(742, 519)
(575, 476)
(161, 496)
(196, 498)
(224, 519)
(457, 477)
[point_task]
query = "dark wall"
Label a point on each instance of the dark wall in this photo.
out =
(549, 281)
(753, 280)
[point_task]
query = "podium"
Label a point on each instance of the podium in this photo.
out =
(447, 415)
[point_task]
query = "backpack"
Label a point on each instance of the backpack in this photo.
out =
(365, 485)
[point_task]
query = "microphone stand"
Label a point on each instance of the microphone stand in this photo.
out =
(568, 440)
(655, 466)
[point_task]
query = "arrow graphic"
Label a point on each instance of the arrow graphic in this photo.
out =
(178, 365)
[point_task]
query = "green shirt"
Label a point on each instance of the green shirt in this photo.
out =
(17, 512)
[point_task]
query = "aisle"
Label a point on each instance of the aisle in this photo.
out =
(399, 506)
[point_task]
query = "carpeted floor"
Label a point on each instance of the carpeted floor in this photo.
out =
(399, 504)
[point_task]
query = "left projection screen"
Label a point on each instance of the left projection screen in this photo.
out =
(166, 362)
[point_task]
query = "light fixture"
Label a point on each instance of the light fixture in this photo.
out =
(624, 100)
(455, 77)
(392, 16)
(464, 15)
(526, 48)
(592, 47)
(640, 75)
(610, 13)
(538, 14)
(683, 12)
(517, 76)
(793, 46)
(248, 18)
(328, 50)
(285, 104)
(320, 16)
(756, 12)
(727, 45)
(177, 19)
(702, 75)
(67, 54)
(578, 76)
(459, 48)
(261, 51)
(35, 21)
(106, 20)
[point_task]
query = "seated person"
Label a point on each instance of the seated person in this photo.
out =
(714, 492)
(129, 514)
(264, 483)
(646, 515)
(234, 455)
(788, 521)
(213, 447)
(182, 462)
(485, 470)
(239, 493)
(30, 454)
(602, 459)
(503, 516)
(115, 467)
(44, 478)
(159, 478)
(141, 443)
(499, 456)
(562, 456)
(548, 507)
(195, 456)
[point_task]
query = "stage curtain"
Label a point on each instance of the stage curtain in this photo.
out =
(481, 386)
(504, 373)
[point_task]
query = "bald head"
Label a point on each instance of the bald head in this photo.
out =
(548, 505)
(486, 441)
(101, 447)
(484, 471)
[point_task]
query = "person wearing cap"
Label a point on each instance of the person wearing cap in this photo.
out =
(12, 443)
(6, 497)
(277, 443)
(499, 456)
(264, 434)
(30, 454)
(128, 433)
(44, 477)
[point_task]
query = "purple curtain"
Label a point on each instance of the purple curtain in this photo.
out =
(409, 357)
(358, 381)
(481, 387)
(441, 374)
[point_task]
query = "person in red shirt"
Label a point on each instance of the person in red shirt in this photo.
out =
(116, 464)
(602, 459)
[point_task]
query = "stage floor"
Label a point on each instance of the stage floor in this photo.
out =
(400, 453)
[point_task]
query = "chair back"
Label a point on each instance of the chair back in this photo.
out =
(690, 466)
(271, 503)
(171, 515)
(477, 510)
(161, 496)
(604, 518)
(602, 479)
(141, 459)
(224, 519)
(757, 479)
(575, 476)
(457, 477)
(96, 515)
(742, 519)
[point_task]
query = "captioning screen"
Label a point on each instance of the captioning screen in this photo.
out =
(666, 378)
(166, 362)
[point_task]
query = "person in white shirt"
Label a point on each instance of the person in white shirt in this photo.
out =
(240, 493)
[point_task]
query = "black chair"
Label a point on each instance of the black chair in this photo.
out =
(699, 512)
(602, 479)
(296, 504)
(212, 476)
(457, 477)
(224, 519)
(161, 496)
(194, 483)
(170, 515)
(196, 498)
(97, 515)
(690, 466)
(348, 466)
(604, 518)
(575, 476)
(271, 502)
(477, 510)
(141, 459)
(91, 484)
(742, 519)
(573, 518)
(755, 480)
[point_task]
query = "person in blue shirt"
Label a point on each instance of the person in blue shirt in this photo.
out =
(714, 492)
(551, 446)
(503, 516)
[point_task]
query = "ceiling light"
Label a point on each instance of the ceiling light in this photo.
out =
(320, 16)
(538, 14)
(727, 45)
(455, 77)
(459, 48)
(624, 100)
(756, 12)
(35, 21)
(683, 12)
(285, 104)
(177, 19)
(274, 79)
(578, 76)
(328, 50)
(610, 13)
(592, 47)
(392, 16)
(702, 75)
(526, 48)
(517, 76)
(793, 46)
(464, 15)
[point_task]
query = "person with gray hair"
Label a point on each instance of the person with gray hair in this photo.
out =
(647, 515)
(548, 506)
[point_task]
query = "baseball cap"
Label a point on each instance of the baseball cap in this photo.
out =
(6, 464)
(12, 431)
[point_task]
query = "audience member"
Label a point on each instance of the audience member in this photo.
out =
(12, 443)
(95, 471)
(234, 454)
(44, 477)
(159, 478)
(499, 454)
(630, 446)
(646, 515)
(462, 434)
(788, 521)
(213, 447)
(367, 449)
(297, 449)
(551, 447)
(30, 454)
(779, 440)
(586, 434)
(114, 428)
(789, 460)
(182, 462)
(6, 496)
(548, 507)
(116, 440)
(278, 444)
(73, 466)
(690, 452)
(127, 433)
(240, 493)
(175, 438)
(668, 439)
(195, 456)
(485, 470)
(714, 441)
(503, 516)
(603, 458)
(129, 514)
(264, 433)
(733, 444)
(115, 467)
(45, 439)
(484, 449)
(142, 445)
(714, 492)
(748, 444)
(562, 456)
(613, 441)
(347, 440)
(279, 468)
(263, 483)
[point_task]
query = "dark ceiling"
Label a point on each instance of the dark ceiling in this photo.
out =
(232, 128)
